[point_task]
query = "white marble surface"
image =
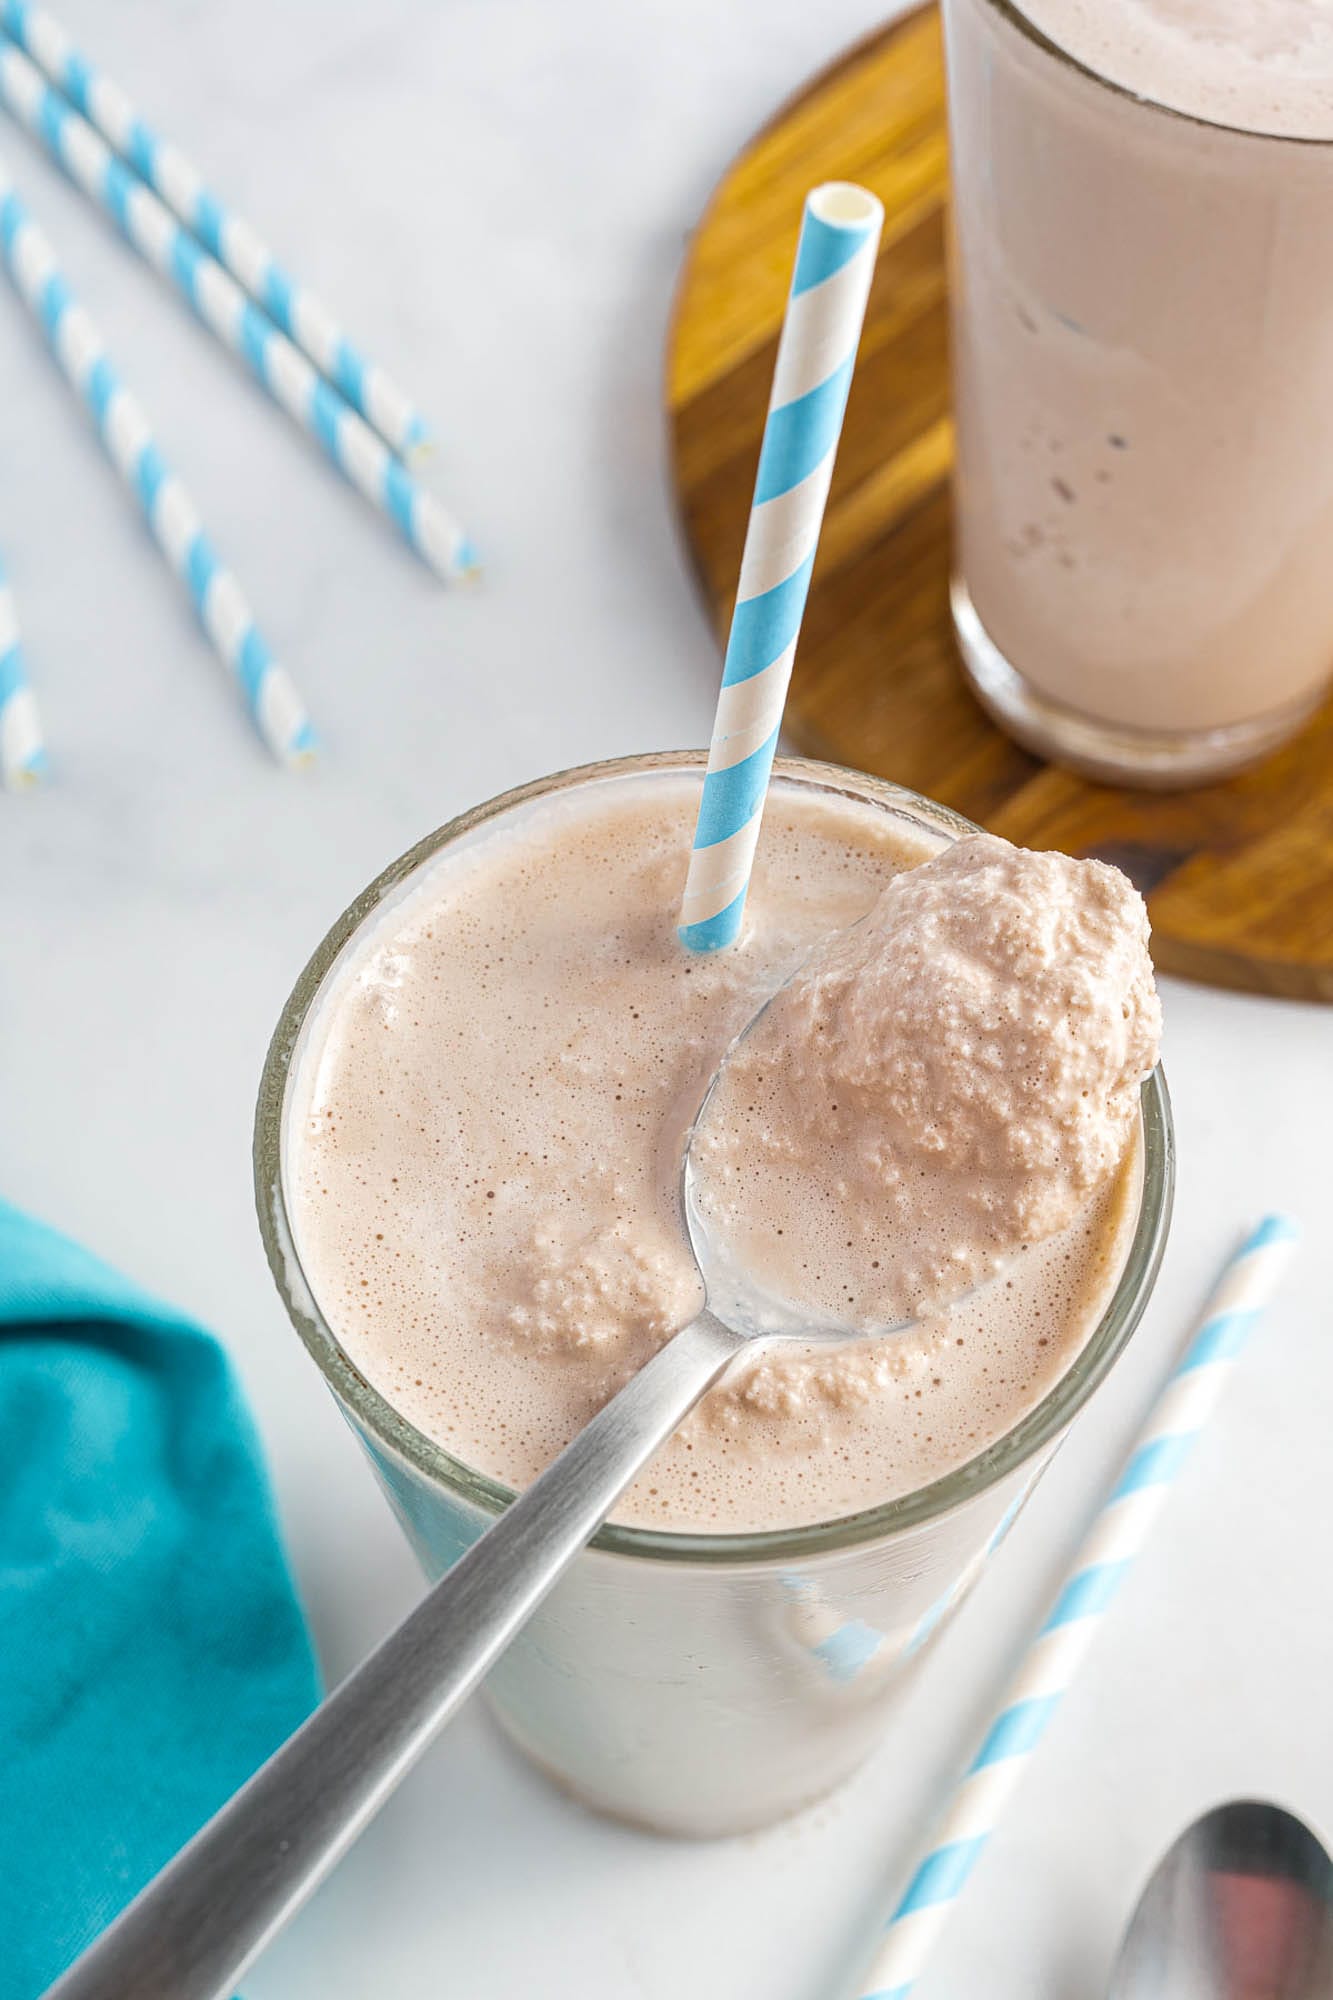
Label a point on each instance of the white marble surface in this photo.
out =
(496, 195)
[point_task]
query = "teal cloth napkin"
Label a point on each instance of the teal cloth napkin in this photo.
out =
(152, 1651)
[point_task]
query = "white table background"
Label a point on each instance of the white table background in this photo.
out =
(496, 196)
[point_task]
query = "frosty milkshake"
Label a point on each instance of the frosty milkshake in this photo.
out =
(1143, 298)
(482, 1131)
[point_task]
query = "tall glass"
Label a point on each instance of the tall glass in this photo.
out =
(699, 1683)
(1143, 379)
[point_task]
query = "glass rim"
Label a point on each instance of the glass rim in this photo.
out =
(391, 1432)
(1012, 12)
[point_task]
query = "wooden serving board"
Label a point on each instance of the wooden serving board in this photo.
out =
(1239, 875)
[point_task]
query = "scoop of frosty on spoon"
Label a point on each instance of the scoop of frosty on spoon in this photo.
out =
(947, 1081)
(933, 1090)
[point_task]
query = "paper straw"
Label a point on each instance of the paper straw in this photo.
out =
(294, 384)
(22, 749)
(170, 513)
(1118, 1534)
(835, 261)
(226, 235)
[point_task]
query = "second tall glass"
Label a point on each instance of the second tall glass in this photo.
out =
(1142, 309)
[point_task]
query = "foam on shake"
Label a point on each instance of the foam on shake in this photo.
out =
(483, 1163)
(1260, 65)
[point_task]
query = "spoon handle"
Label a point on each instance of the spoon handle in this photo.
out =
(196, 1927)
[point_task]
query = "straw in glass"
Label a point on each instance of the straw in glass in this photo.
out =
(1117, 1535)
(294, 384)
(226, 235)
(273, 702)
(835, 261)
(22, 748)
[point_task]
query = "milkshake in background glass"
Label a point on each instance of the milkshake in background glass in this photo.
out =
(468, 1156)
(1143, 371)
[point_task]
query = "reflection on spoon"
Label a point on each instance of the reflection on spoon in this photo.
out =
(1239, 1908)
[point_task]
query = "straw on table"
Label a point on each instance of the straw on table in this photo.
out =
(835, 261)
(229, 238)
(223, 612)
(22, 748)
(1118, 1534)
(294, 384)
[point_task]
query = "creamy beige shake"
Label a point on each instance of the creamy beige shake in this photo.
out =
(492, 1105)
(1143, 304)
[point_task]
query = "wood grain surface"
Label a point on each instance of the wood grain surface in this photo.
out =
(1238, 875)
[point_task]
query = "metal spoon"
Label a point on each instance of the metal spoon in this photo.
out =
(1240, 1908)
(196, 1927)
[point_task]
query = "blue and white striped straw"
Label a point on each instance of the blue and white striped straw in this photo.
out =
(1117, 1536)
(294, 384)
(168, 509)
(835, 261)
(303, 317)
(22, 749)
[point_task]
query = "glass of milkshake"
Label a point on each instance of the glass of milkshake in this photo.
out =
(468, 1150)
(1142, 307)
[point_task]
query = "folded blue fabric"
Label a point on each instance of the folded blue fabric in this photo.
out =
(152, 1651)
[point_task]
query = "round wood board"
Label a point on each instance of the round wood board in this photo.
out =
(1238, 876)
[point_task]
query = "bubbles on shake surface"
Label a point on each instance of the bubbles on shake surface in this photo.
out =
(484, 1154)
(1261, 65)
(937, 1089)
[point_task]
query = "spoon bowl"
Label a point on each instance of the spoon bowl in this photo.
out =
(745, 1306)
(1240, 1907)
(734, 1295)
